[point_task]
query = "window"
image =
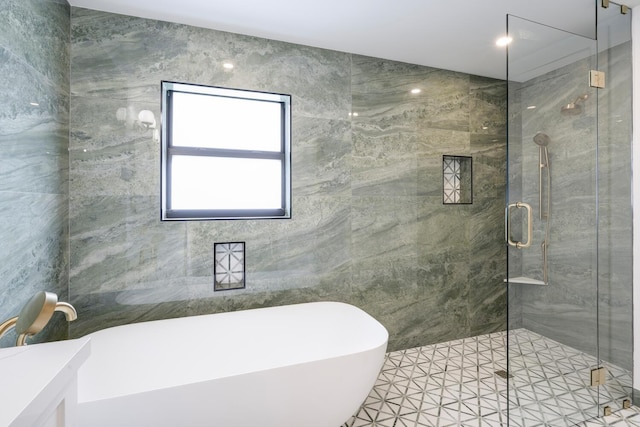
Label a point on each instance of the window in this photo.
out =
(226, 153)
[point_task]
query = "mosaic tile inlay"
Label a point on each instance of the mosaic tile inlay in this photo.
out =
(456, 383)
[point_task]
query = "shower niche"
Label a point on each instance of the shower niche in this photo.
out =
(457, 182)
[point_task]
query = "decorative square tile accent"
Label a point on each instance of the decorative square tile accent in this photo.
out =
(228, 266)
(456, 384)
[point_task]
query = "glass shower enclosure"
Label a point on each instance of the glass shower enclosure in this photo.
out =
(568, 221)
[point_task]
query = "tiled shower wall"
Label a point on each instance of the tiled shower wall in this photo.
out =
(369, 226)
(34, 139)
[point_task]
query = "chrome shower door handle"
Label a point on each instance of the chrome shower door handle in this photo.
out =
(507, 225)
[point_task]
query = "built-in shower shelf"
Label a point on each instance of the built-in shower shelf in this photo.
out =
(524, 281)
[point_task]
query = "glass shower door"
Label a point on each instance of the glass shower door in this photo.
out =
(568, 221)
(615, 216)
(551, 225)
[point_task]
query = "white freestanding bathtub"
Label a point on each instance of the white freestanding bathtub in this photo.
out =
(304, 365)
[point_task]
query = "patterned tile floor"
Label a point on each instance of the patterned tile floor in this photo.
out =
(455, 384)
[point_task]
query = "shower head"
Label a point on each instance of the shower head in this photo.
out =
(574, 108)
(571, 109)
(541, 139)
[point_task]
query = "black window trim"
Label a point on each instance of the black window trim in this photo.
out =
(168, 150)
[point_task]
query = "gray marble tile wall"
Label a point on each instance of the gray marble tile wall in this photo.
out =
(368, 228)
(34, 139)
(590, 265)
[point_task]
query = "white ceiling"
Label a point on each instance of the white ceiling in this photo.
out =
(455, 35)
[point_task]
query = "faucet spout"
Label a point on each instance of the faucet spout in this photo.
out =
(70, 313)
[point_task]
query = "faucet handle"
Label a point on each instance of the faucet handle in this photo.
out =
(35, 314)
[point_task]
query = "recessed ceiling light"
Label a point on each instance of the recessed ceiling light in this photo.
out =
(35, 104)
(531, 107)
(503, 41)
(228, 66)
(416, 91)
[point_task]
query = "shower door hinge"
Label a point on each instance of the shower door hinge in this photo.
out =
(598, 376)
(596, 79)
(605, 3)
(624, 9)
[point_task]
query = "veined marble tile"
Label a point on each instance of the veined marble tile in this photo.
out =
(36, 160)
(31, 99)
(282, 254)
(119, 243)
(431, 145)
(124, 57)
(97, 311)
(486, 231)
(36, 33)
(382, 92)
(442, 232)
(201, 236)
(489, 166)
(225, 301)
(321, 157)
(487, 106)
(108, 157)
(383, 227)
(384, 162)
(514, 301)
(487, 291)
(318, 80)
(444, 301)
(616, 333)
(34, 117)
(34, 227)
(385, 288)
(567, 323)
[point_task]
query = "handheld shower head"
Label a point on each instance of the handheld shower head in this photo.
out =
(541, 139)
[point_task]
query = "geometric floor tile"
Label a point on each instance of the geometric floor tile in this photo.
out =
(455, 384)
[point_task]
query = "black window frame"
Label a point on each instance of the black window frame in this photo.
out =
(169, 150)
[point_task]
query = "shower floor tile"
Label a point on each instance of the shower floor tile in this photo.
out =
(458, 383)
